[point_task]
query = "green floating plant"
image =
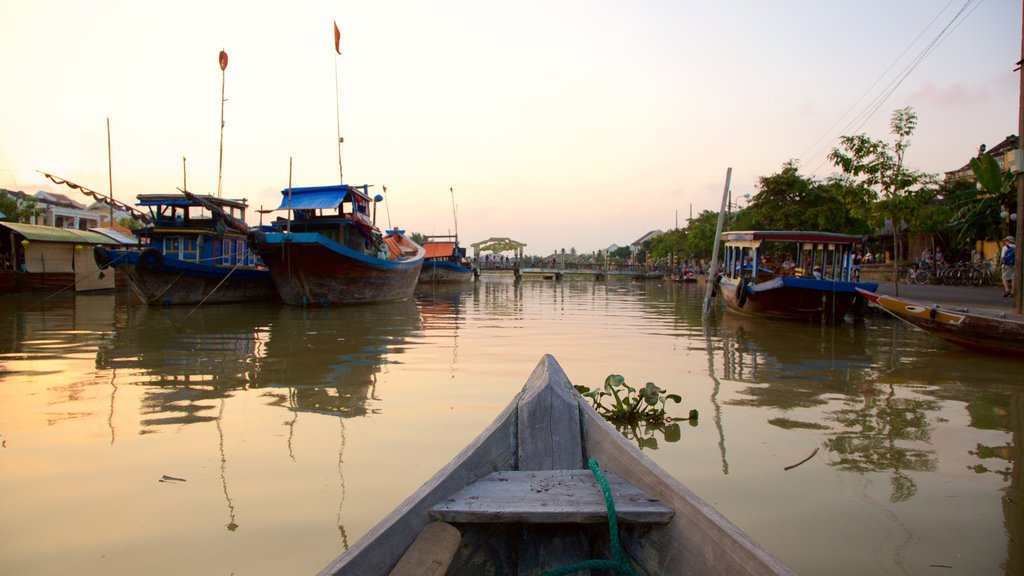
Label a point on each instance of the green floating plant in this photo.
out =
(637, 413)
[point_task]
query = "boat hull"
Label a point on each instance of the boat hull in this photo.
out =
(309, 269)
(794, 298)
(167, 281)
(972, 331)
(440, 272)
(549, 426)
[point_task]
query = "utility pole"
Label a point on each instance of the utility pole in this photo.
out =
(1018, 265)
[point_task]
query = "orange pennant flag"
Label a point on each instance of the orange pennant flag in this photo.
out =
(337, 38)
(223, 60)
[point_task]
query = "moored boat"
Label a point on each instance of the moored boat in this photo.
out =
(791, 274)
(971, 330)
(329, 250)
(445, 262)
(519, 499)
(190, 254)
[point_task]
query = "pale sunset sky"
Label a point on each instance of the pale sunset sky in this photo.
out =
(561, 124)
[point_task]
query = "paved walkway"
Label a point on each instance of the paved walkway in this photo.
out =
(981, 298)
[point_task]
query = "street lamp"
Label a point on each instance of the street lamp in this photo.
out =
(1009, 218)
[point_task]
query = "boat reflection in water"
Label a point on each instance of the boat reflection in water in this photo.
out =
(333, 354)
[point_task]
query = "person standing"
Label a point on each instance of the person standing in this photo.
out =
(1007, 257)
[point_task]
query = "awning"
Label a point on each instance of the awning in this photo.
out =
(439, 249)
(319, 197)
(35, 233)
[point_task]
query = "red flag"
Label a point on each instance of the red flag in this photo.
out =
(337, 38)
(223, 60)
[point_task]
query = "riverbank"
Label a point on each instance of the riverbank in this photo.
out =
(980, 299)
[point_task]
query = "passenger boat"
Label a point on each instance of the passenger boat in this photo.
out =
(329, 250)
(190, 254)
(445, 262)
(815, 284)
(519, 500)
(961, 327)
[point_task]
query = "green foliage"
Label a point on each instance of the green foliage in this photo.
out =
(18, 212)
(628, 404)
(975, 206)
(667, 245)
(875, 165)
(418, 238)
(130, 223)
(639, 414)
(621, 253)
(700, 235)
(789, 201)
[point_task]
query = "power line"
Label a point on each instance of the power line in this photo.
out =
(858, 121)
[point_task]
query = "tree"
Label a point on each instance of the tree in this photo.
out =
(976, 205)
(418, 238)
(15, 211)
(700, 235)
(790, 201)
(873, 165)
(668, 245)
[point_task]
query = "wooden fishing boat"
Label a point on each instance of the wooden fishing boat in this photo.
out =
(445, 262)
(971, 330)
(337, 257)
(191, 254)
(519, 500)
(756, 281)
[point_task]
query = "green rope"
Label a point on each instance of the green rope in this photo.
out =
(620, 563)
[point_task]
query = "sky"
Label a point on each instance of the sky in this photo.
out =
(560, 124)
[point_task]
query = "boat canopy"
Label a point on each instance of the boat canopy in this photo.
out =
(179, 200)
(37, 233)
(321, 197)
(757, 236)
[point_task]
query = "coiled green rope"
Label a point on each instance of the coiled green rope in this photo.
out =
(619, 564)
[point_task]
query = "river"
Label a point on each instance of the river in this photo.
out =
(264, 439)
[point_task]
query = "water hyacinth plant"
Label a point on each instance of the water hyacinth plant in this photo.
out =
(638, 414)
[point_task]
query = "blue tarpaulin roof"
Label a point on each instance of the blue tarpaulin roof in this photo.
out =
(318, 197)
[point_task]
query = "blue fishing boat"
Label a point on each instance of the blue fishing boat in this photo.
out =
(330, 251)
(446, 262)
(189, 254)
(791, 274)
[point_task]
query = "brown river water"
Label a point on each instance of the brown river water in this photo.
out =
(265, 439)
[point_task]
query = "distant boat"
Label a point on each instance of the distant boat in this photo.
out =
(519, 499)
(445, 261)
(337, 257)
(971, 330)
(191, 254)
(816, 285)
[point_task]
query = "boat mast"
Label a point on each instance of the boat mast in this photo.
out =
(455, 214)
(223, 75)
(714, 251)
(110, 174)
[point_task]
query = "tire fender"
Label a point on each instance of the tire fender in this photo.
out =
(151, 259)
(101, 256)
(741, 293)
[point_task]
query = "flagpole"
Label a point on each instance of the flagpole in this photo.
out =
(223, 60)
(337, 111)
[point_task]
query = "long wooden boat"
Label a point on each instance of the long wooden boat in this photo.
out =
(190, 254)
(445, 262)
(329, 251)
(519, 500)
(971, 330)
(757, 280)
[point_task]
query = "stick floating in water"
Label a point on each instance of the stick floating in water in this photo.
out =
(802, 461)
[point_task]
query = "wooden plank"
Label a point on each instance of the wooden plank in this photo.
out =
(548, 497)
(431, 553)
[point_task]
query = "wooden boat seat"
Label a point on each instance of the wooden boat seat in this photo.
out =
(549, 497)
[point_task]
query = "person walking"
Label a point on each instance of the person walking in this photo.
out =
(1007, 257)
